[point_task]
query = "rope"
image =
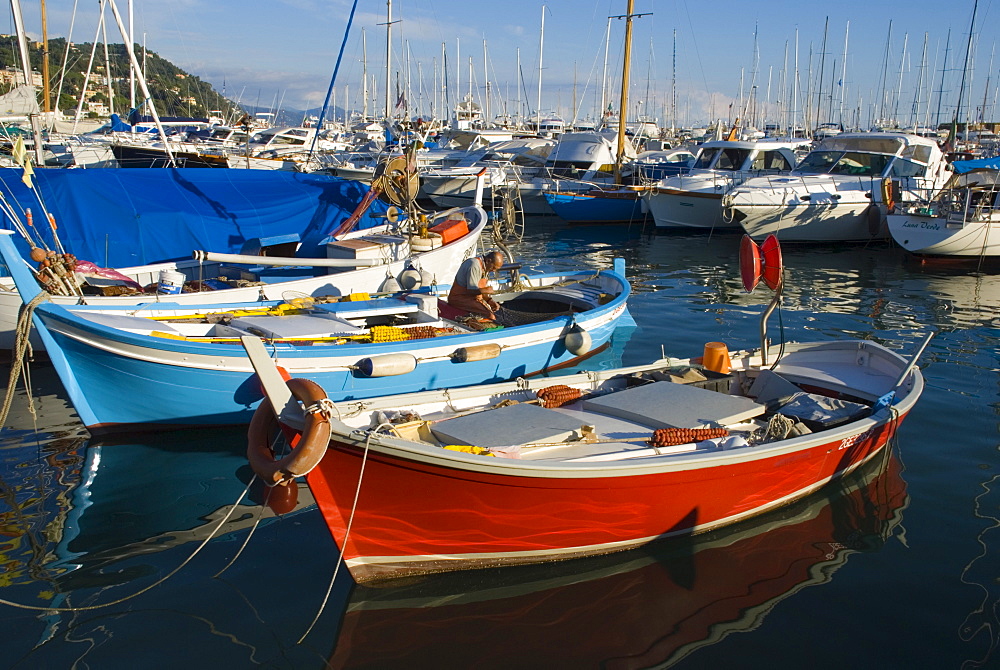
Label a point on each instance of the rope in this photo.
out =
(347, 531)
(170, 574)
(22, 349)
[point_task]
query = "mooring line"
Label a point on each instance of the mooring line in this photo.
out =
(88, 608)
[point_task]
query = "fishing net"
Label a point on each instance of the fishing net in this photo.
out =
(508, 316)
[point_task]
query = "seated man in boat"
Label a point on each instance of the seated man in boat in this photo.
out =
(470, 291)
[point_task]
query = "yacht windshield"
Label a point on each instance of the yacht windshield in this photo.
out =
(705, 158)
(722, 158)
(844, 163)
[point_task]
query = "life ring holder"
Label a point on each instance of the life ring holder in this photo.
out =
(311, 446)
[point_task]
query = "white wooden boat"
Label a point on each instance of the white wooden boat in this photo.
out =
(359, 261)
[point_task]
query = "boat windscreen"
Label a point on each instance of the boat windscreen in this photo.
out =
(844, 163)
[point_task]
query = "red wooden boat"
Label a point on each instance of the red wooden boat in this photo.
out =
(645, 608)
(555, 468)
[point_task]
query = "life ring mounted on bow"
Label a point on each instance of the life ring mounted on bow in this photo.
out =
(307, 452)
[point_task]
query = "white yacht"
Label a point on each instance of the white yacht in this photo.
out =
(511, 162)
(962, 220)
(576, 157)
(835, 193)
(693, 200)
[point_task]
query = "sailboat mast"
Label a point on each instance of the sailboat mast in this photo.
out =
(673, 89)
(899, 86)
(843, 74)
(388, 57)
(822, 68)
(965, 71)
(46, 95)
(541, 45)
(22, 43)
(364, 76)
(604, 77)
(944, 68)
(623, 103)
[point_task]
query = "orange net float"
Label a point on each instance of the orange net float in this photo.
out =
(558, 395)
(668, 437)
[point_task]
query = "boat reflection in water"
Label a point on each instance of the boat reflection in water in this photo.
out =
(654, 606)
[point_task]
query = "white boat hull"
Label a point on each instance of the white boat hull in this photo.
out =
(936, 236)
(442, 263)
(809, 209)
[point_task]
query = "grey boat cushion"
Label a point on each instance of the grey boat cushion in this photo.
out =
(671, 405)
(503, 426)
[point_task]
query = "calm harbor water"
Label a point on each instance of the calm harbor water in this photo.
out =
(897, 566)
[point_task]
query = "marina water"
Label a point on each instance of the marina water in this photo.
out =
(133, 553)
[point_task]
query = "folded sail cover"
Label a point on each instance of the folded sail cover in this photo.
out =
(119, 217)
(19, 102)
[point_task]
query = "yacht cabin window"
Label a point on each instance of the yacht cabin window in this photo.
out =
(844, 163)
(770, 160)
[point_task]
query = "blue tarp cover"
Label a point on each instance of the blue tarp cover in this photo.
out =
(119, 217)
(961, 167)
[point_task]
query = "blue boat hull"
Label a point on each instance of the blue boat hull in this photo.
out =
(586, 208)
(113, 393)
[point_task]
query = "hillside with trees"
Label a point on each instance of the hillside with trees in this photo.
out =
(174, 91)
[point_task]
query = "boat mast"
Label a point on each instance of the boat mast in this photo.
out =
(46, 94)
(22, 43)
(486, 82)
(604, 77)
(388, 57)
(915, 112)
(899, 86)
(142, 83)
(364, 76)
(673, 90)
(843, 74)
(623, 102)
(131, 67)
(965, 71)
(541, 45)
(944, 68)
(822, 67)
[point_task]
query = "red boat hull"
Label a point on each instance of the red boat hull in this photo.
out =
(632, 610)
(418, 517)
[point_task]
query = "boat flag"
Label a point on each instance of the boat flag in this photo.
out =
(20, 154)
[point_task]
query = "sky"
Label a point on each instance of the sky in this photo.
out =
(283, 53)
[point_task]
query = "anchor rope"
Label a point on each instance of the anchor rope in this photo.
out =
(88, 608)
(347, 531)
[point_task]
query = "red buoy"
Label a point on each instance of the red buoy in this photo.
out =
(750, 263)
(773, 266)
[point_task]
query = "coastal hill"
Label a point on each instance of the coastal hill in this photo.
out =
(174, 91)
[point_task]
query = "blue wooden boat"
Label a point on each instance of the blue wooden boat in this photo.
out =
(172, 365)
(620, 204)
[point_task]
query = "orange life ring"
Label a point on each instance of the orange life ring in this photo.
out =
(309, 450)
(887, 196)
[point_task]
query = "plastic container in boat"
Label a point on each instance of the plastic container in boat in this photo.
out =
(171, 282)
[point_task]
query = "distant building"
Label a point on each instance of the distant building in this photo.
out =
(14, 77)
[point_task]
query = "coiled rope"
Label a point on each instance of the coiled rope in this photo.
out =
(22, 351)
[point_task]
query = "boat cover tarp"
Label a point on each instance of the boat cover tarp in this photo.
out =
(120, 218)
(978, 164)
